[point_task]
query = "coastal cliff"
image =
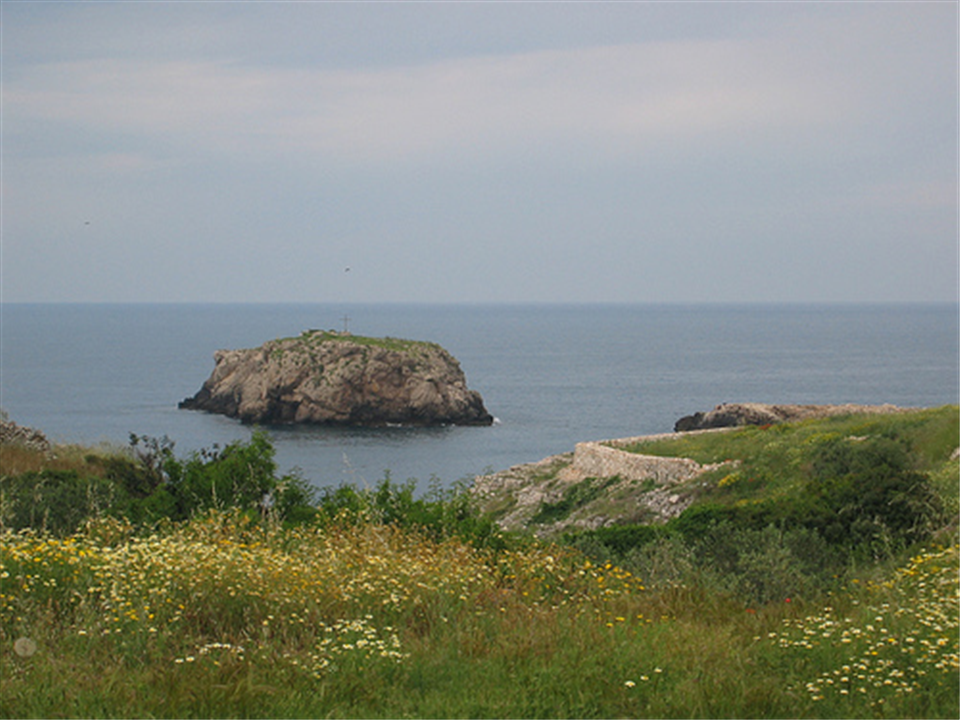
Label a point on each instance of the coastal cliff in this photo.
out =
(330, 378)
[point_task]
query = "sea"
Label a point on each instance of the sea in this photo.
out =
(552, 375)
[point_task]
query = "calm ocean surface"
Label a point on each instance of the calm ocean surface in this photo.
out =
(552, 375)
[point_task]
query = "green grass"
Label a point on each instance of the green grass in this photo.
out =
(219, 618)
(574, 497)
(381, 603)
(313, 337)
(303, 348)
(932, 433)
(775, 459)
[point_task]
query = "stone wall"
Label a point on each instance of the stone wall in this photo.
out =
(592, 459)
(649, 488)
(605, 459)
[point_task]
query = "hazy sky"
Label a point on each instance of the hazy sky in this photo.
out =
(479, 152)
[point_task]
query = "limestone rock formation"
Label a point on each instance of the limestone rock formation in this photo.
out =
(335, 378)
(13, 434)
(738, 414)
(599, 484)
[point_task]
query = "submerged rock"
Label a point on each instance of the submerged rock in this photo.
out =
(332, 378)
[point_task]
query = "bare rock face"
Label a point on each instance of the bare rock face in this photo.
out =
(13, 434)
(332, 378)
(738, 414)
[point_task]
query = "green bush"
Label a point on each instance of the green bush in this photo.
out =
(766, 564)
(152, 484)
(865, 494)
(55, 501)
(575, 496)
(617, 538)
(241, 475)
(757, 565)
(439, 513)
(861, 495)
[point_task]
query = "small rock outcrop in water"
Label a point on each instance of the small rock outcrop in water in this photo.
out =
(738, 414)
(335, 378)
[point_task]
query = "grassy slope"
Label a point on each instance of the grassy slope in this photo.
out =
(771, 461)
(218, 617)
(932, 434)
(775, 459)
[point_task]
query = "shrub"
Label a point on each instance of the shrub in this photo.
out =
(865, 495)
(55, 501)
(241, 475)
(617, 539)
(151, 484)
(575, 496)
(440, 513)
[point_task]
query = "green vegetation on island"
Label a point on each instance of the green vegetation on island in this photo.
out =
(816, 575)
(313, 337)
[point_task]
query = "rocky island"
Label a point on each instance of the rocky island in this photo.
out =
(332, 378)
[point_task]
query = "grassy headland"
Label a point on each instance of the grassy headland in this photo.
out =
(174, 590)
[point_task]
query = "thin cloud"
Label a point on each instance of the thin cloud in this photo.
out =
(619, 99)
(632, 151)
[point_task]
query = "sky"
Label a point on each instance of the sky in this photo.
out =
(477, 152)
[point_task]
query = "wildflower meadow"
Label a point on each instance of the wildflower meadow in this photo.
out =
(221, 616)
(383, 604)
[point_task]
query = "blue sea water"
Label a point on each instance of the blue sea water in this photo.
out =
(552, 375)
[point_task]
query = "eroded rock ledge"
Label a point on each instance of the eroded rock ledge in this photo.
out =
(13, 434)
(330, 378)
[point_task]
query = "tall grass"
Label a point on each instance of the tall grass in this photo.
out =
(19, 459)
(380, 603)
(220, 616)
(932, 433)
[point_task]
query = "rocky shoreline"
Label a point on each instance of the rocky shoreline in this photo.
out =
(626, 487)
(635, 487)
